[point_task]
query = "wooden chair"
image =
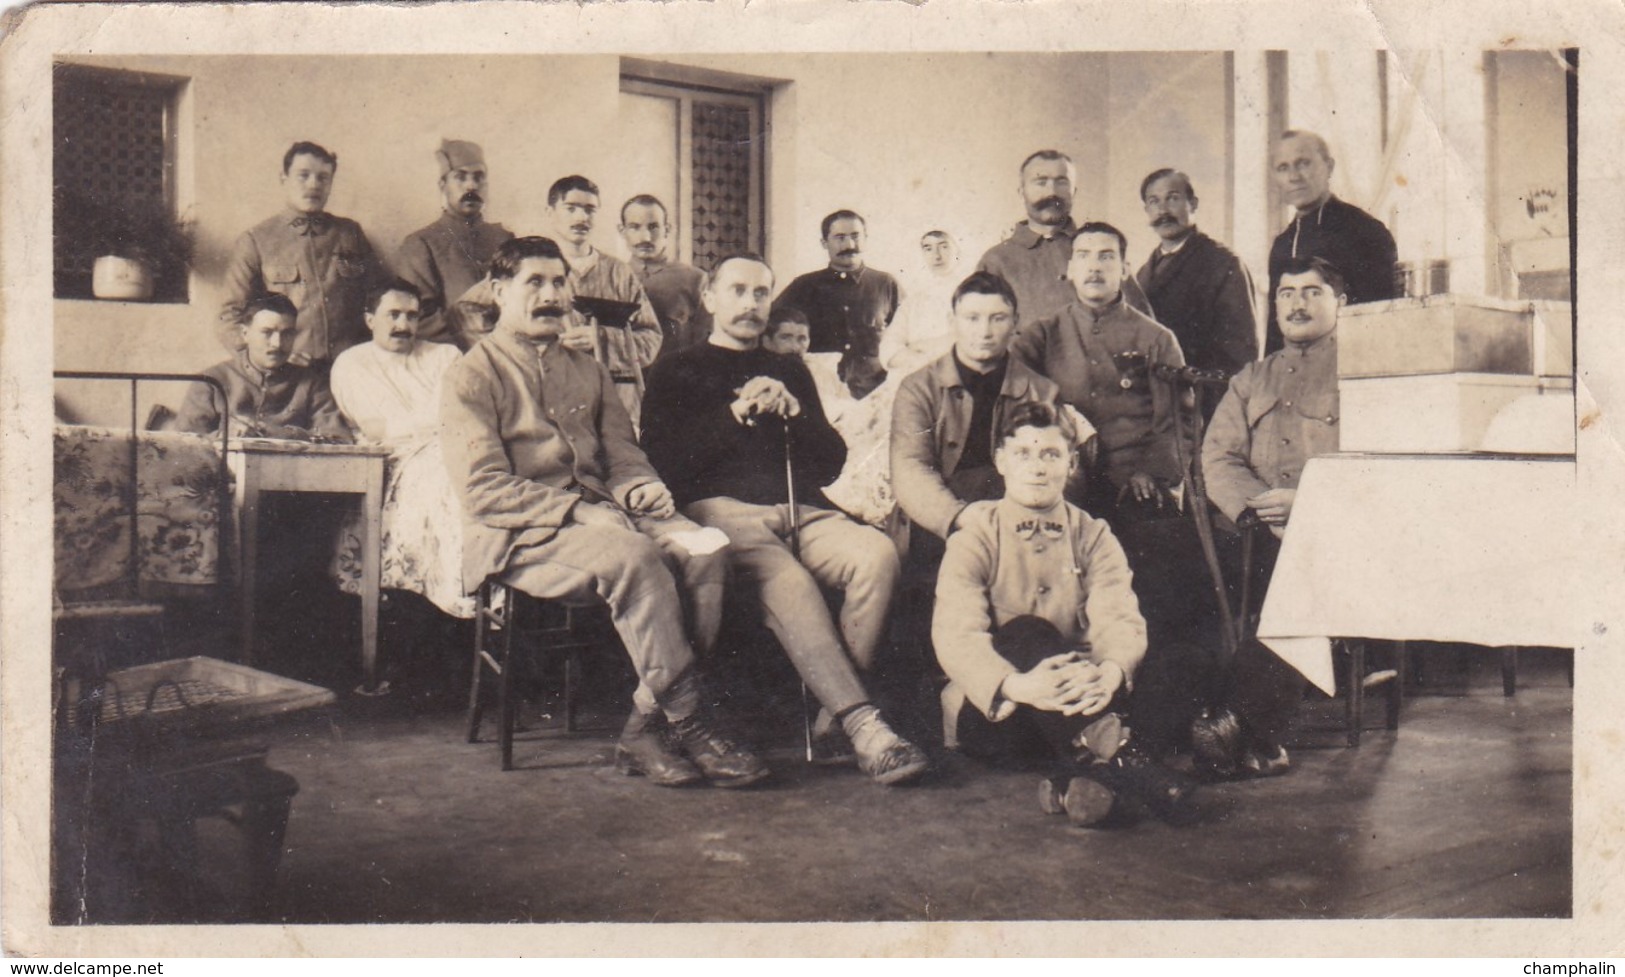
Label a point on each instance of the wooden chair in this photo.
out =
(504, 617)
(1355, 680)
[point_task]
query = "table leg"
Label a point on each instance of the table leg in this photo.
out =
(248, 539)
(372, 545)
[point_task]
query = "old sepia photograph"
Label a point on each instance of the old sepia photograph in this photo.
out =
(702, 475)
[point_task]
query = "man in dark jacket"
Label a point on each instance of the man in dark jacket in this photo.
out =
(1201, 291)
(1355, 243)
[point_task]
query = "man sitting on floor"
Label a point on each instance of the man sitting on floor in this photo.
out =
(266, 395)
(1277, 414)
(718, 421)
(1036, 621)
(558, 500)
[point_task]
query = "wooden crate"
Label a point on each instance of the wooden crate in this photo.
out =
(1453, 412)
(1455, 334)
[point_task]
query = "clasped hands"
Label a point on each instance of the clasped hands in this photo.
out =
(763, 395)
(1069, 684)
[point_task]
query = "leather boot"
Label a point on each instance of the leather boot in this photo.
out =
(643, 751)
(723, 761)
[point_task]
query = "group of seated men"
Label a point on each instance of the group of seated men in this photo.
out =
(1016, 509)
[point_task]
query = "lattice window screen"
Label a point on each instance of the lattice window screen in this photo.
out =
(722, 180)
(110, 132)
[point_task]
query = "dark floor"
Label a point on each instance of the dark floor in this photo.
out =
(1464, 812)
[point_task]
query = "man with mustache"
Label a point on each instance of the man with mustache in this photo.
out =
(846, 298)
(673, 287)
(1100, 352)
(559, 501)
(267, 394)
(1355, 243)
(1201, 291)
(1277, 414)
(722, 418)
(572, 209)
(1104, 356)
(444, 259)
(1034, 258)
(321, 262)
(389, 392)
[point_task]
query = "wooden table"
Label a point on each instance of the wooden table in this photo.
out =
(270, 465)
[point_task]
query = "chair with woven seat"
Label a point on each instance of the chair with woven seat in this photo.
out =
(503, 617)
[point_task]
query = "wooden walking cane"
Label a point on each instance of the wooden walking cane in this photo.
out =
(795, 551)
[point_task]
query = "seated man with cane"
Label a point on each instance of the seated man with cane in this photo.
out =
(558, 500)
(1037, 622)
(728, 424)
(1277, 414)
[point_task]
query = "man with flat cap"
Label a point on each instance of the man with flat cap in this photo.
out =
(447, 257)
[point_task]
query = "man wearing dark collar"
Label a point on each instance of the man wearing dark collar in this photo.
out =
(846, 300)
(673, 287)
(1356, 243)
(322, 263)
(1034, 258)
(266, 395)
(947, 413)
(1201, 291)
(444, 259)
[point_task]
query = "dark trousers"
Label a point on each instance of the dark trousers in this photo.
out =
(1159, 707)
(1261, 689)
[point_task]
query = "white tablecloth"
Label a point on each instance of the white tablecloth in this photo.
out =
(1429, 548)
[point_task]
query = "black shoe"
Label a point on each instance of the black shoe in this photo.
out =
(1085, 801)
(1216, 740)
(643, 751)
(1166, 793)
(1257, 763)
(723, 762)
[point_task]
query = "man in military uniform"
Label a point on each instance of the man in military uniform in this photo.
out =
(1034, 258)
(1277, 414)
(321, 262)
(444, 259)
(673, 287)
(1037, 626)
(572, 209)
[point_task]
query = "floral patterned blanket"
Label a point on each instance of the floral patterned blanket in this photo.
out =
(178, 492)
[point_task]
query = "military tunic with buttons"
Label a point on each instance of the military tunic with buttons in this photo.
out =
(289, 396)
(1277, 414)
(444, 260)
(1008, 561)
(1035, 266)
(323, 263)
(527, 433)
(1133, 414)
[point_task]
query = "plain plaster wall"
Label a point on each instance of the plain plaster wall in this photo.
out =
(911, 141)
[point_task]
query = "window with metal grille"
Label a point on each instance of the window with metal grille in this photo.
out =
(705, 145)
(113, 134)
